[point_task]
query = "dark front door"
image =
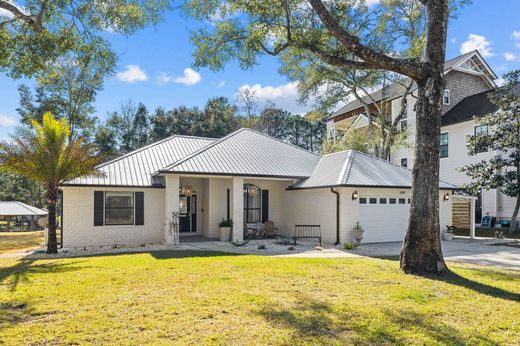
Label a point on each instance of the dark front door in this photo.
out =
(188, 214)
(478, 208)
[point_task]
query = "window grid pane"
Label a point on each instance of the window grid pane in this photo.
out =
(119, 208)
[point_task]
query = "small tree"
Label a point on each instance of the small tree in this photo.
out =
(46, 155)
(502, 171)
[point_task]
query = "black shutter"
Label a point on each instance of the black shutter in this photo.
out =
(228, 204)
(99, 205)
(265, 205)
(139, 208)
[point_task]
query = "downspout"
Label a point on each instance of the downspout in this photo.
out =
(337, 214)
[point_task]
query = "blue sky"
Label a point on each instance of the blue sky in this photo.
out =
(154, 66)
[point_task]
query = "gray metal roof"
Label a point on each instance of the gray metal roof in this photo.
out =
(249, 153)
(136, 167)
(14, 208)
(395, 90)
(352, 168)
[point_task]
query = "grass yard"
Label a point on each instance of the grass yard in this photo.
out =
(20, 241)
(178, 297)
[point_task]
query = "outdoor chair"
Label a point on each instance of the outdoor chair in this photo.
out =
(269, 230)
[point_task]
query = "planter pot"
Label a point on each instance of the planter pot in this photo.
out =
(225, 233)
(358, 234)
(447, 236)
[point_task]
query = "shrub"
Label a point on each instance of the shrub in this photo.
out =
(350, 246)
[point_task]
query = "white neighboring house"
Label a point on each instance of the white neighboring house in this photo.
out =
(469, 79)
(246, 176)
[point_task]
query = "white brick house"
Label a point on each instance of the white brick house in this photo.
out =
(246, 176)
(469, 79)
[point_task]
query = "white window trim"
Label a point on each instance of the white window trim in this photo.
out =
(105, 209)
(446, 91)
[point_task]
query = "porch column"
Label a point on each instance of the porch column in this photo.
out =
(472, 218)
(237, 214)
(171, 205)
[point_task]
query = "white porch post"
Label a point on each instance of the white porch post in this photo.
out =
(237, 202)
(171, 205)
(472, 218)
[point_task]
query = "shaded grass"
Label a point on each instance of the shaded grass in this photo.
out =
(214, 298)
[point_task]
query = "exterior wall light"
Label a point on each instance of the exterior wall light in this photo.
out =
(446, 196)
(355, 195)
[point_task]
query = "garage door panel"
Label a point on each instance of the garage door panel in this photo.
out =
(383, 222)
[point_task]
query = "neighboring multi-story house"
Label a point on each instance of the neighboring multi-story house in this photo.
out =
(469, 79)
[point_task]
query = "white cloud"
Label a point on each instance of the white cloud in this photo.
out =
(478, 42)
(190, 77)
(453, 40)
(509, 56)
(7, 121)
(516, 37)
(372, 2)
(132, 74)
(219, 84)
(164, 78)
(284, 96)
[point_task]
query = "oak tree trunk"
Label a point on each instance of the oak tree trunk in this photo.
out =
(421, 252)
(514, 216)
(52, 242)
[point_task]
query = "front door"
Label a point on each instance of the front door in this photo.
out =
(188, 214)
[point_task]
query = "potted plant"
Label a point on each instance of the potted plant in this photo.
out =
(224, 229)
(448, 233)
(358, 232)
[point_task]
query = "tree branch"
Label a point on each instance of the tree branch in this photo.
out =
(30, 20)
(374, 59)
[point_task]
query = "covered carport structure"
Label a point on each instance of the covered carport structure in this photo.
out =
(10, 210)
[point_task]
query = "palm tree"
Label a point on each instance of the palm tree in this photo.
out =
(46, 155)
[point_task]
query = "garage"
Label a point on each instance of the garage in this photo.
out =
(363, 189)
(383, 218)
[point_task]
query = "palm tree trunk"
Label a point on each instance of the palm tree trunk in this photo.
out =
(52, 242)
(514, 216)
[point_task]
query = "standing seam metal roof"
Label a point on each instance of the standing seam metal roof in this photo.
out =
(136, 168)
(249, 153)
(352, 168)
(15, 208)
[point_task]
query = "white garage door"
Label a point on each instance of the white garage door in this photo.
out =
(384, 219)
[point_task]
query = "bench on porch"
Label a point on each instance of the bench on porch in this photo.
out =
(307, 231)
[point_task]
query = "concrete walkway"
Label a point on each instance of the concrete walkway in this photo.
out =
(472, 251)
(476, 251)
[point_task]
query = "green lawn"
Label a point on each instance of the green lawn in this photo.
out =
(20, 241)
(178, 297)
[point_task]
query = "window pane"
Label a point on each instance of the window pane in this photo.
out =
(382, 201)
(373, 200)
(392, 200)
(443, 150)
(119, 208)
(404, 163)
(124, 216)
(402, 200)
(119, 199)
(362, 200)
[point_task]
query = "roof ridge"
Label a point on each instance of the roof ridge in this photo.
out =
(379, 159)
(345, 171)
(135, 151)
(279, 140)
(211, 145)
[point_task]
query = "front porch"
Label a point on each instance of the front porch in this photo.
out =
(200, 202)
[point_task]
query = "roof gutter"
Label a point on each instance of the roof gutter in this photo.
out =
(337, 214)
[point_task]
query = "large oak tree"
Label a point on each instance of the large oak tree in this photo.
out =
(243, 30)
